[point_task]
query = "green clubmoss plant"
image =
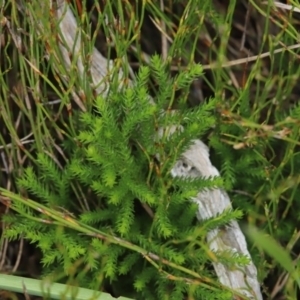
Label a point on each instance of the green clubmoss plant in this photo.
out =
(113, 218)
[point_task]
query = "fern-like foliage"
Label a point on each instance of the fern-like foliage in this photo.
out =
(118, 181)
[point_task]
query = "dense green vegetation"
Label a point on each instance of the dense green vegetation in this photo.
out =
(85, 172)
